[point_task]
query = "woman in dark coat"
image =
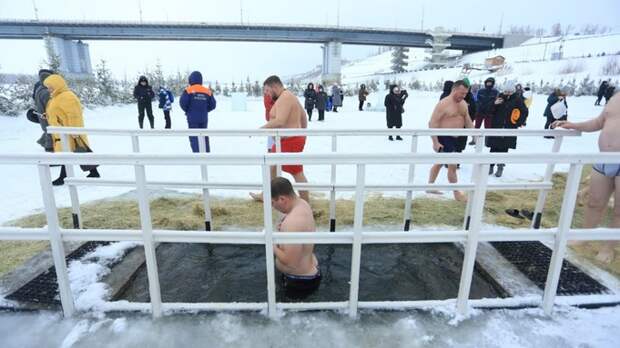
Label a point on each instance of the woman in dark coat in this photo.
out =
(509, 112)
(321, 102)
(394, 102)
(310, 99)
(553, 98)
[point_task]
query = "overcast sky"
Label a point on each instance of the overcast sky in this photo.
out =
(226, 61)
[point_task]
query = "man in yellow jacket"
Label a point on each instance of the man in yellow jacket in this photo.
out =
(64, 110)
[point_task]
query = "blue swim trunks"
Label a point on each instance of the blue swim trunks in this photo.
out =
(607, 169)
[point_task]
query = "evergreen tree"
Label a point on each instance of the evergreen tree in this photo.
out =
(53, 60)
(105, 82)
(399, 59)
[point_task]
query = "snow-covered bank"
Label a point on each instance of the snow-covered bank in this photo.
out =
(21, 190)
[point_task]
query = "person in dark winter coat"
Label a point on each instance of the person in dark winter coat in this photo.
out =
(165, 103)
(609, 92)
(553, 98)
(486, 97)
(41, 96)
(394, 102)
(310, 100)
(321, 102)
(508, 112)
(602, 89)
(197, 101)
(361, 96)
(447, 89)
(144, 94)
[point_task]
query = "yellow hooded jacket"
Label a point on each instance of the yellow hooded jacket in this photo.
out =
(63, 110)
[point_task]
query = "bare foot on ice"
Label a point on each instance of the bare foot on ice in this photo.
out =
(460, 196)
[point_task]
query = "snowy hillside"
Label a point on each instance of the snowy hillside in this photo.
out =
(593, 56)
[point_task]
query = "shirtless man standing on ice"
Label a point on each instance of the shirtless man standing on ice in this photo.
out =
(286, 112)
(450, 112)
(605, 179)
(297, 263)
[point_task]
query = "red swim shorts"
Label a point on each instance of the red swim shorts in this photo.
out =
(292, 144)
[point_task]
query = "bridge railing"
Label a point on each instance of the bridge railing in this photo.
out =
(471, 237)
(414, 134)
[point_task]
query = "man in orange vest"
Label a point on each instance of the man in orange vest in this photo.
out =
(197, 101)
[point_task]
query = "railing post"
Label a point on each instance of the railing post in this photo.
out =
(278, 140)
(147, 238)
(358, 221)
(471, 245)
(332, 192)
(542, 194)
(58, 249)
(76, 214)
(202, 147)
(408, 199)
(135, 143)
(474, 175)
(268, 217)
(559, 244)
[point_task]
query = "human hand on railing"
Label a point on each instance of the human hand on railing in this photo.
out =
(562, 124)
(437, 147)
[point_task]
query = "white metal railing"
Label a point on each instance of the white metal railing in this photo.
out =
(471, 237)
(278, 134)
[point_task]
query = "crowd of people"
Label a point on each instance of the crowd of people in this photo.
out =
(460, 105)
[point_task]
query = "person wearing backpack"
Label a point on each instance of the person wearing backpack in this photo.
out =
(165, 103)
(554, 98)
(508, 112)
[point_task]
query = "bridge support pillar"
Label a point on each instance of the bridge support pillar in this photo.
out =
(439, 43)
(331, 73)
(71, 57)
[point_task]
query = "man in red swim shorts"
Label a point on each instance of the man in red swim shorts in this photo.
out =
(286, 112)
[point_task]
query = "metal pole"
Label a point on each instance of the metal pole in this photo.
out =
(471, 245)
(542, 194)
(407, 215)
(559, 245)
(76, 214)
(474, 175)
(135, 143)
(332, 192)
(202, 147)
(278, 140)
(268, 217)
(149, 245)
(358, 221)
(58, 249)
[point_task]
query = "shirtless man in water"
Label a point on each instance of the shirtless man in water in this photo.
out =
(299, 266)
(286, 112)
(450, 112)
(605, 179)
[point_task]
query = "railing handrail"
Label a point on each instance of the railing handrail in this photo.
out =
(315, 132)
(309, 159)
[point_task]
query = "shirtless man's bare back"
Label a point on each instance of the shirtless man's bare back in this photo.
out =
(605, 179)
(450, 112)
(297, 262)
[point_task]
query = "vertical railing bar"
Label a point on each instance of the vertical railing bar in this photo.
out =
(475, 172)
(204, 174)
(542, 194)
(559, 244)
(471, 245)
(58, 249)
(411, 176)
(76, 214)
(278, 140)
(332, 192)
(357, 240)
(147, 237)
(135, 143)
(268, 217)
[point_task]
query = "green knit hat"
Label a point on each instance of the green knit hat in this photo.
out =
(467, 83)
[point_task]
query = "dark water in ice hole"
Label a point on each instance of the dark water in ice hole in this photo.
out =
(236, 273)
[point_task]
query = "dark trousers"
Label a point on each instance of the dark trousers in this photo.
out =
(193, 141)
(480, 118)
(149, 113)
(167, 118)
(309, 111)
(321, 115)
(598, 100)
(361, 106)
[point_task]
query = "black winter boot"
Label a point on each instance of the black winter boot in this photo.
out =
(491, 169)
(500, 170)
(94, 173)
(61, 178)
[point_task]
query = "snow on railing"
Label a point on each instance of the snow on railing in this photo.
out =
(471, 235)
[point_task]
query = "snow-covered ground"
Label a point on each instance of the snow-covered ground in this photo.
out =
(21, 195)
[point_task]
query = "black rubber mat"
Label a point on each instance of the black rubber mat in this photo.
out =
(532, 259)
(44, 288)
